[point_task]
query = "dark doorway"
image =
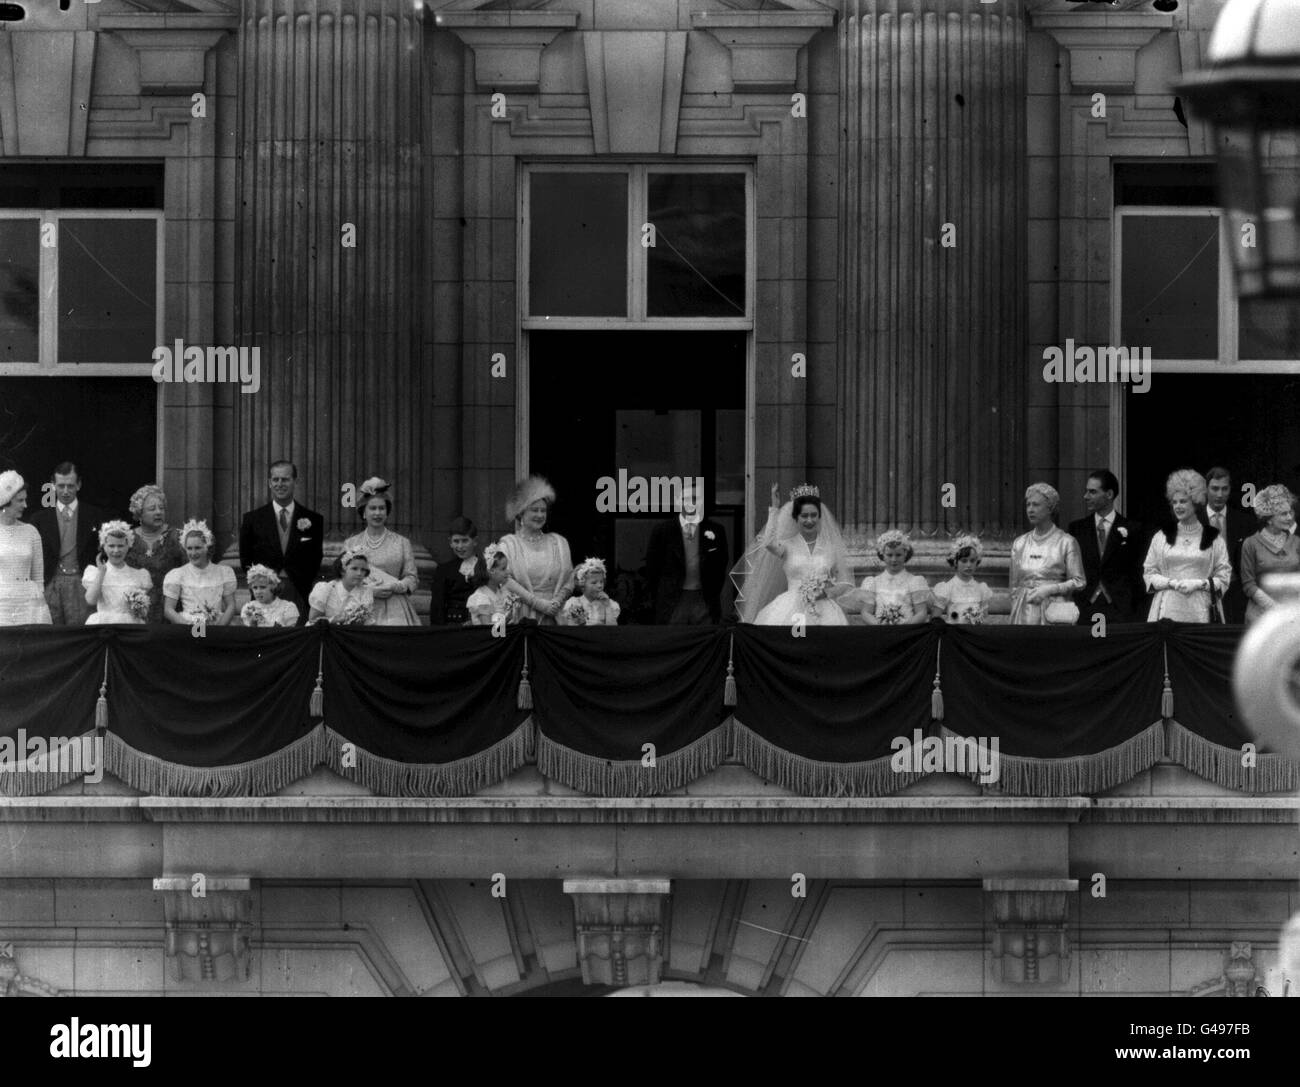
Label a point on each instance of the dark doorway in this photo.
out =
(650, 404)
(1248, 423)
(106, 425)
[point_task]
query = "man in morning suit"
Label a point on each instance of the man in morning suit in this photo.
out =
(1114, 548)
(1234, 524)
(286, 536)
(69, 541)
(686, 566)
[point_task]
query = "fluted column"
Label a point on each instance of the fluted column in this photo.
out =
(931, 339)
(329, 134)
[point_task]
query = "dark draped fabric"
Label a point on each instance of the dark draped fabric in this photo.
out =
(1200, 670)
(49, 679)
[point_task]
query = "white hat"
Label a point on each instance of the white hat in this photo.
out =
(10, 484)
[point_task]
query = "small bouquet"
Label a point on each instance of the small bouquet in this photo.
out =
(892, 614)
(972, 614)
(354, 614)
(814, 586)
(575, 612)
(137, 603)
(508, 602)
(254, 615)
(206, 612)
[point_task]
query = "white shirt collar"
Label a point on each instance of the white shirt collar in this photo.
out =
(1105, 518)
(278, 507)
(681, 518)
(68, 506)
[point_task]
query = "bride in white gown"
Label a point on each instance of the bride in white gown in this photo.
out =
(795, 567)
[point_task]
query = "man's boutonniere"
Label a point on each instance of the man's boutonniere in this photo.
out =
(709, 534)
(1123, 532)
(304, 523)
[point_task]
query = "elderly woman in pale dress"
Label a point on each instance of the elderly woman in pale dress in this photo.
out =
(22, 562)
(1187, 556)
(393, 575)
(1046, 564)
(1274, 549)
(541, 568)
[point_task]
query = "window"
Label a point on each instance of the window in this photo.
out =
(638, 246)
(81, 269)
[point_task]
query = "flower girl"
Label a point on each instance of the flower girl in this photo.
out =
(201, 588)
(895, 597)
(593, 607)
(266, 609)
(119, 593)
(962, 599)
(347, 600)
(492, 599)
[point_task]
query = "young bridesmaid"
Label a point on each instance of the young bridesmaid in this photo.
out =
(492, 598)
(266, 609)
(593, 607)
(347, 600)
(119, 593)
(962, 599)
(895, 597)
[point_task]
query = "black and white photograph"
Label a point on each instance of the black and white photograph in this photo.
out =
(581, 498)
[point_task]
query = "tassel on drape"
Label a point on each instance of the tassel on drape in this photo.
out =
(317, 705)
(936, 696)
(1167, 695)
(101, 704)
(729, 687)
(525, 701)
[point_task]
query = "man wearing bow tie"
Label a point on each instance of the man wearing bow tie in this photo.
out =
(69, 540)
(1113, 549)
(1235, 524)
(686, 566)
(286, 536)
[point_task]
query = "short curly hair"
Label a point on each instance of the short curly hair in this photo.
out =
(1046, 492)
(1186, 481)
(148, 491)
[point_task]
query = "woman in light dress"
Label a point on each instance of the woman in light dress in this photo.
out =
(541, 567)
(156, 548)
(22, 563)
(1186, 556)
(1274, 549)
(1046, 564)
(894, 597)
(798, 566)
(110, 579)
(200, 588)
(393, 576)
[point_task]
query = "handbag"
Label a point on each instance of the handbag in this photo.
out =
(1061, 613)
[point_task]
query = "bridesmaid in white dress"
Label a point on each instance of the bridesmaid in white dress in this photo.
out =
(1186, 556)
(393, 575)
(801, 541)
(1046, 564)
(541, 567)
(895, 596)
(200, 587)
(22, 563)
(961, 599)
(107, 582)
(348, 598)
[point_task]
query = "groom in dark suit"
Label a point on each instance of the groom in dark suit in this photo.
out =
(286, 536)
(686, 566)
(1114, 549)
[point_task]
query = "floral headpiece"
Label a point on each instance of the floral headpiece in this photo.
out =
(961, 543)
(142, 495)
(350, 553)
(589, 566)
(804, 490)
(1272, 500)
(891, 538)
(528, 491)
(258, 572)
(116, 528)
(375, 487)
(1188, 481)
(490, 554)
(1046, 492)
(10, 484)
(199, 528)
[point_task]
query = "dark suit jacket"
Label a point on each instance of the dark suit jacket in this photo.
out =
(451, 592)
(665, 562)
(259, 541)
(89, 518)
(1242, 524)
(1118, 571)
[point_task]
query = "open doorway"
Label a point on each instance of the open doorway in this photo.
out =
(645, 404)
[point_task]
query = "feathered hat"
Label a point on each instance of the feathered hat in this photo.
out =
(527, 491)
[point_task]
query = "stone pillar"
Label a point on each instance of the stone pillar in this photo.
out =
(931, 337)
(329, 134)
(1030, 943)
(620, 929)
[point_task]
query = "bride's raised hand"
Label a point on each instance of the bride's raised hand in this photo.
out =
(776, 496)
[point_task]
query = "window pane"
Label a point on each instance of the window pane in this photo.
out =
(697, 265)
(107, 290)
(20, 273)
(1269, 329)
(1169, 286)
(577, 245)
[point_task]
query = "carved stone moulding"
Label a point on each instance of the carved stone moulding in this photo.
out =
(208, 933)
(620, 928)
(1030, 945)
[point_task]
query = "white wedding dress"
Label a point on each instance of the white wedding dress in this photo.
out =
(799, 561)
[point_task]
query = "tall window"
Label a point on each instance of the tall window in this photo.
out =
(81, 269)
(638, 246)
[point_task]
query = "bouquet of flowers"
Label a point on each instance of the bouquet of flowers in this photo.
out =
(814, 586)
(892, 614)
(254, 615)
(354, 614)
(137, 603)
(508, 602)
(972, 614)
(575, 612)
(206, 612)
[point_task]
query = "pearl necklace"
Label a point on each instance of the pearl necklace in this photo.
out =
(532, 538)
(372, 545)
